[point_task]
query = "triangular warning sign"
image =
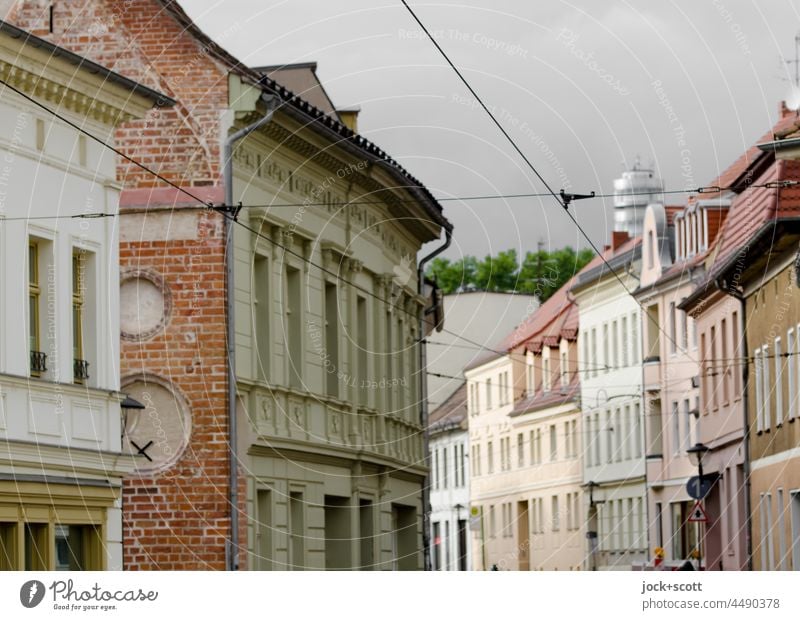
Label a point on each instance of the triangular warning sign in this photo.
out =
(698, 515)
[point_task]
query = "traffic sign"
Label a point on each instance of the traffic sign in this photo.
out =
(698, 488)
(698, 515)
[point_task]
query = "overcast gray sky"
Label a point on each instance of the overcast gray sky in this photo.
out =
(583, 87)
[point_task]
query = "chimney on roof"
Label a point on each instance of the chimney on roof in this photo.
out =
(785, 111)
(349, 117)
(618, 237)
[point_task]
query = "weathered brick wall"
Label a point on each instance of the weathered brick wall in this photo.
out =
(178, 519)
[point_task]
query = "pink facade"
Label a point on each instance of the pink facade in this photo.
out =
(670, 370)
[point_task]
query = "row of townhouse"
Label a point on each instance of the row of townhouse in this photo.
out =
(663, 374)
(267, 370)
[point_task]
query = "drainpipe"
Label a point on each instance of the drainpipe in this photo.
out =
(746, 426)
(232, 547)
(423, 407)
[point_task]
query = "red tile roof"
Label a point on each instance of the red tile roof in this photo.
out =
(452, 413)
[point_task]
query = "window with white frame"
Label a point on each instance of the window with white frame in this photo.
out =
(791, 362)
(676, 428)
(564, 369)
(555, 513)
(759, 381)
(767, 388)
(778, 382)
(488, 394)
(546, 371)
(625, 341)
(553, 443)
(673, 336)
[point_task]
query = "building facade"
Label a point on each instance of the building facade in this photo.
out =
(449, 484)
(609, 363)
(486, 317)
(524, 428)
(756, 264)
(317, 288)
(61, 458)
(670, 386)
(327, 333)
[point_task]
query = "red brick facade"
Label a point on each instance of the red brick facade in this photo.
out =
(179, 519)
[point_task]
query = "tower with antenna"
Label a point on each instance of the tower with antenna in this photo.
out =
(633, 191)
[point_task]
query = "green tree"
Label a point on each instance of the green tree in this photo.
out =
(542, 273)
(498, 273)
(453, 276)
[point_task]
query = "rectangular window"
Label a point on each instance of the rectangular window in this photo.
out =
(261, 315)
(770, 528)
(609, 433)
(687, 425)
(778, 383)
(615, 344)
(595, 352)
(263, 529)
(77, 547)
(584, 363)
(625, 341)
(445, 481)
(38, 357)
(759, 390)
(791, 362)
(736, 352)
(659, 526)
(794, 499)
(596, 439)
(520, 450)
(673, 336)
(638, 432)
(635, 339)
(606, 353)
(490, 457)
(529, 386)
(294, 327)
(767, 389)
(553, 443)
(488, 394)
(782, 556)
(619, 436)
(492, 522)
(684, 331)
(555, 516)
(715, 368)
(545, 373)
(8, 547)
(725, 364)
(436, 469)
(80, 365)
(564, 369)
(676, 429)
(362, 352)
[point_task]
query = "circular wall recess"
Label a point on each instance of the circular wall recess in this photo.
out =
(157, 435)
(144, 306)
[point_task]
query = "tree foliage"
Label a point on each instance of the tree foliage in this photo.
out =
(540, 273)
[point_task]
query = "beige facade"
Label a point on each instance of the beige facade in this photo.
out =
(326, 352)
(773, 319)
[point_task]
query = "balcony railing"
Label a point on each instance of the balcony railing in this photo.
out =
(80, 370)
(38, 362)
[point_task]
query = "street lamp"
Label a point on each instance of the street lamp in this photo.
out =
(696, 454)
(591, 531)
